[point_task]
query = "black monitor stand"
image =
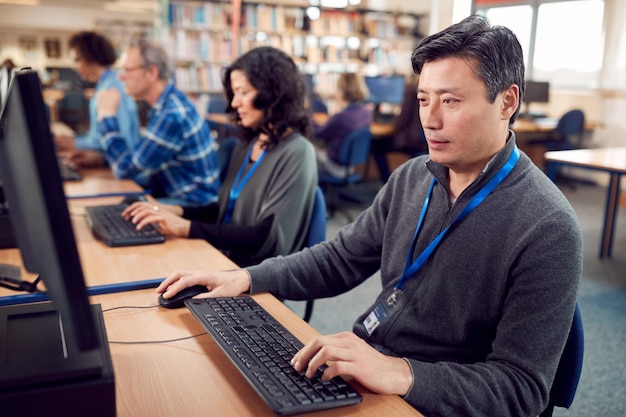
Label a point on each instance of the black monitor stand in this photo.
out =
(7, 238)
(40, 375)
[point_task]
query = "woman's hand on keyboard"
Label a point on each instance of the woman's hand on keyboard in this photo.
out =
(166, 222)
(219, 283)
(348, 355)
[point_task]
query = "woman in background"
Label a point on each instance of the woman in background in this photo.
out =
(351, 93)
(408, 134)
(94, 56)
(266, 200)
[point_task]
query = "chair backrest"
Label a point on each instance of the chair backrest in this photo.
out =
(217, 104)
(317, 226)
(571, 123)
(315, 235)
(569, 369)
(355, 150)
(224, 151)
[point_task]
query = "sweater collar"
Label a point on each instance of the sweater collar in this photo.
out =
(440, 172)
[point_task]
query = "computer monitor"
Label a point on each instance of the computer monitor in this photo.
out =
(61, 340)
(536, 92)
(68, 79)
(385, 89)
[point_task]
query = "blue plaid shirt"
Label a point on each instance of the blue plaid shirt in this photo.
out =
(175, 152)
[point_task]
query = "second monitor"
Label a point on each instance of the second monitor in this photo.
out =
(385, 90)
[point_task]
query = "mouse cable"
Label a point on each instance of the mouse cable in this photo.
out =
(143, 342)
(136, 307)
(154, 342)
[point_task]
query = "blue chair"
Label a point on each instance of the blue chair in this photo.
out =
(354, 151)
(223, 153)
(569, 369)
(567, 133)
(217, 105)
(315, 235)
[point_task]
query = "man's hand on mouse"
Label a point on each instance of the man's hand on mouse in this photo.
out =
(219, 283)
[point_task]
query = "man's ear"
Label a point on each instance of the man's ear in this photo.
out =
(510, 101)
(153, 73)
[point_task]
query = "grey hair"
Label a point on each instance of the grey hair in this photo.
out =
(153, 54)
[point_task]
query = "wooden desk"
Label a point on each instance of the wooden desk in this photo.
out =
(221, 118)
(610, 160)
(382, 129)
(98, 182)
(103, 265)
(543, 125)
(193, 377)
(186, 378)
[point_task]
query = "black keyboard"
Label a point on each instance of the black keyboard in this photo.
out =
(109, 226)
(261, 348)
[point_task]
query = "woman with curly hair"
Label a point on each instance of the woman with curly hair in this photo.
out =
(266, 200)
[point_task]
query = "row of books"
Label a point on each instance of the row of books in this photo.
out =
(199, 78)
(215, 16)
(217, 47)
(199, 15)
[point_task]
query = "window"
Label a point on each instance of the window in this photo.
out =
(563, 45)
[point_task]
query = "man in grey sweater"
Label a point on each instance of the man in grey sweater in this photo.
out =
(478, 299)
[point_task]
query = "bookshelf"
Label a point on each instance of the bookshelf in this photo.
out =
(203, 36)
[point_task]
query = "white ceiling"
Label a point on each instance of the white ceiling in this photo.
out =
(131, 6)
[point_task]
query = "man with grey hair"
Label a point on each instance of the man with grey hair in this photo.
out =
(175, 157)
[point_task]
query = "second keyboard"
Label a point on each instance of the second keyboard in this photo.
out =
(108, 225)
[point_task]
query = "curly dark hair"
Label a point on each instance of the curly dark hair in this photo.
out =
(93, 48)
(281, 94)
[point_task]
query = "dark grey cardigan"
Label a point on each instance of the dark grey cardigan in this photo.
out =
(484, 322)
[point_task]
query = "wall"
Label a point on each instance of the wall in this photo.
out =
(53, 23)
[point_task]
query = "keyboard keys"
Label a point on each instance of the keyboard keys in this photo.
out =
(108, 225)
(261, 348)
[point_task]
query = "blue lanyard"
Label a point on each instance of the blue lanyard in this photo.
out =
(239, 183)
(411, 268)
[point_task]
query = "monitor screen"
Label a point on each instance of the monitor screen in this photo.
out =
(385, 89)
(38, 210)
(537, 92)
(67, 78)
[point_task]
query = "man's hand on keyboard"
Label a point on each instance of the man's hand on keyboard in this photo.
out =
(166, 222)
(220, 283)
(348, 355)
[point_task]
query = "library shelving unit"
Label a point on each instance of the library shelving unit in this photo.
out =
(204, 36)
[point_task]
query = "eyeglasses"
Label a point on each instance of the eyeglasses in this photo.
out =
(129, 69)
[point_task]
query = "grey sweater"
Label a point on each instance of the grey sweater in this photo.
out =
(282, 189)
(484, 322)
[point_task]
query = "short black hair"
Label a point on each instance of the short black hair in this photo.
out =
(494, 51)
(94, 48)
(281, 93)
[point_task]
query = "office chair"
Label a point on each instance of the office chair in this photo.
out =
(569, 369)
(315, 235)
(567, 134)
(223, 153)
(217, 105)
(354, 151)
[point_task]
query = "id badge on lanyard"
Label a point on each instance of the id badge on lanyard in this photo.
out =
(385, 307)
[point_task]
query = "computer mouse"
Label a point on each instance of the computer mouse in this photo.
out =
(128, 200)
(178, 300)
